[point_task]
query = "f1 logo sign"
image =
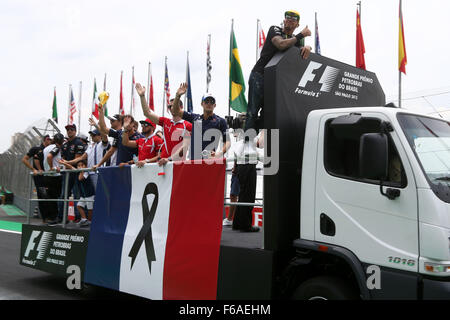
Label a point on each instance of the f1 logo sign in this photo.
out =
(31, 243)
(327, 80)
(42, 246)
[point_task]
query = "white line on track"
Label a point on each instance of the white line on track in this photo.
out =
(9, 231)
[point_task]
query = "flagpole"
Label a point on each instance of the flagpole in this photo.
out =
(187, 64)
(68, 106)
(79, 107)
(208, 62)
(104, 89)
(257, 38)
(315, 32)
(164, 91)
(147, 93)
(132, 91)
(231, 45)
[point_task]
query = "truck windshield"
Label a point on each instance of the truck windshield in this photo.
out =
(430, 140)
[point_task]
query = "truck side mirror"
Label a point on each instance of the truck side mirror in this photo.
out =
(373, 156)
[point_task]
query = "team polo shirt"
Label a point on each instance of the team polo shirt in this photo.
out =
(70, 149)
(37, 153)
(149, 147)
(201, 124)
(269, 49)
(173, 134)
(124, 154)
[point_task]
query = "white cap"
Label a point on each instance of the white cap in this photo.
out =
(208, 95)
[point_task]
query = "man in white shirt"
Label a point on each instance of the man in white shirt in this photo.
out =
(94, 153)
(247, 158)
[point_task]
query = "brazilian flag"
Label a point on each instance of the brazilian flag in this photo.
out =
(237, 85)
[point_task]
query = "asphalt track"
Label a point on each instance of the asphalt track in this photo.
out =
(21, 283)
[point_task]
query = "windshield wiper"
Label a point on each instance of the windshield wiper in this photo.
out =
(445, 178)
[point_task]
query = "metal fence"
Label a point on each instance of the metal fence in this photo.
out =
(14, 176)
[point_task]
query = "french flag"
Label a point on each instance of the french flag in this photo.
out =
(158, 236)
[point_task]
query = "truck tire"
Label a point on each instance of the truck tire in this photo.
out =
(324, 288)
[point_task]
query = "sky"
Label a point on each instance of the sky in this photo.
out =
(54, 43)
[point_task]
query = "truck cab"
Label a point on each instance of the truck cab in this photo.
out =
(376, 188)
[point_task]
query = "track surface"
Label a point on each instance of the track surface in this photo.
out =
(21, 283)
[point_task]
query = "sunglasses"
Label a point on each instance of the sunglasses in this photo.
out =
(292, 18)
(209, 100)
(71, 129)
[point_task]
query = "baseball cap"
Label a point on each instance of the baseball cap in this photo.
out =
(292, 14)
(148, 121)
(83, 137)
(115, 117)
(58, 138)
(71, 126)
(94, 132)
(208, 95)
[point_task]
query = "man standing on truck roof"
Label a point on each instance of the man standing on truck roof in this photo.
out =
(278, 39)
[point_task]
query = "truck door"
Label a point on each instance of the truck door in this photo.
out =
(352, 213)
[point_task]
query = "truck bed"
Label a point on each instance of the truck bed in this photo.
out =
(234, 238)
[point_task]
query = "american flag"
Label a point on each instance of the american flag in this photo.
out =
(72, 108)
(208, 63)
(166, 86)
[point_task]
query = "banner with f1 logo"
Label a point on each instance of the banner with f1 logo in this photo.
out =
(53, 249)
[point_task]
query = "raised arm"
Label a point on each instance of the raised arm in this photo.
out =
(147, 112)
(176, 110)
(283, 44)
(101, 120)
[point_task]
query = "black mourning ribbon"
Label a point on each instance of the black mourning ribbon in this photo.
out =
(145, 234)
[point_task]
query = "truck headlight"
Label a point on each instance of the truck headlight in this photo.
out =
(437, 268)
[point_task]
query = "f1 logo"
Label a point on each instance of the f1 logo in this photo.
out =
(42, 246)
(31, 243)
(327, 80)
(309, 73)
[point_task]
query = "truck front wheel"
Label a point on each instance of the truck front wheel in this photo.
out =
(324, 288)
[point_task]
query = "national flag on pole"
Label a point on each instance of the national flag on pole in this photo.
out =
(152, 236)
(189, 89)
(208, 63)
(166, 86)
(401, 43)
(151, 102)
(360, 50)
(317, 41)
(121, 108)
(95, 101)
(105, 107)
(55, 109)
(261, 38)
(237, 98)
(72, 108)
(133, 103)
